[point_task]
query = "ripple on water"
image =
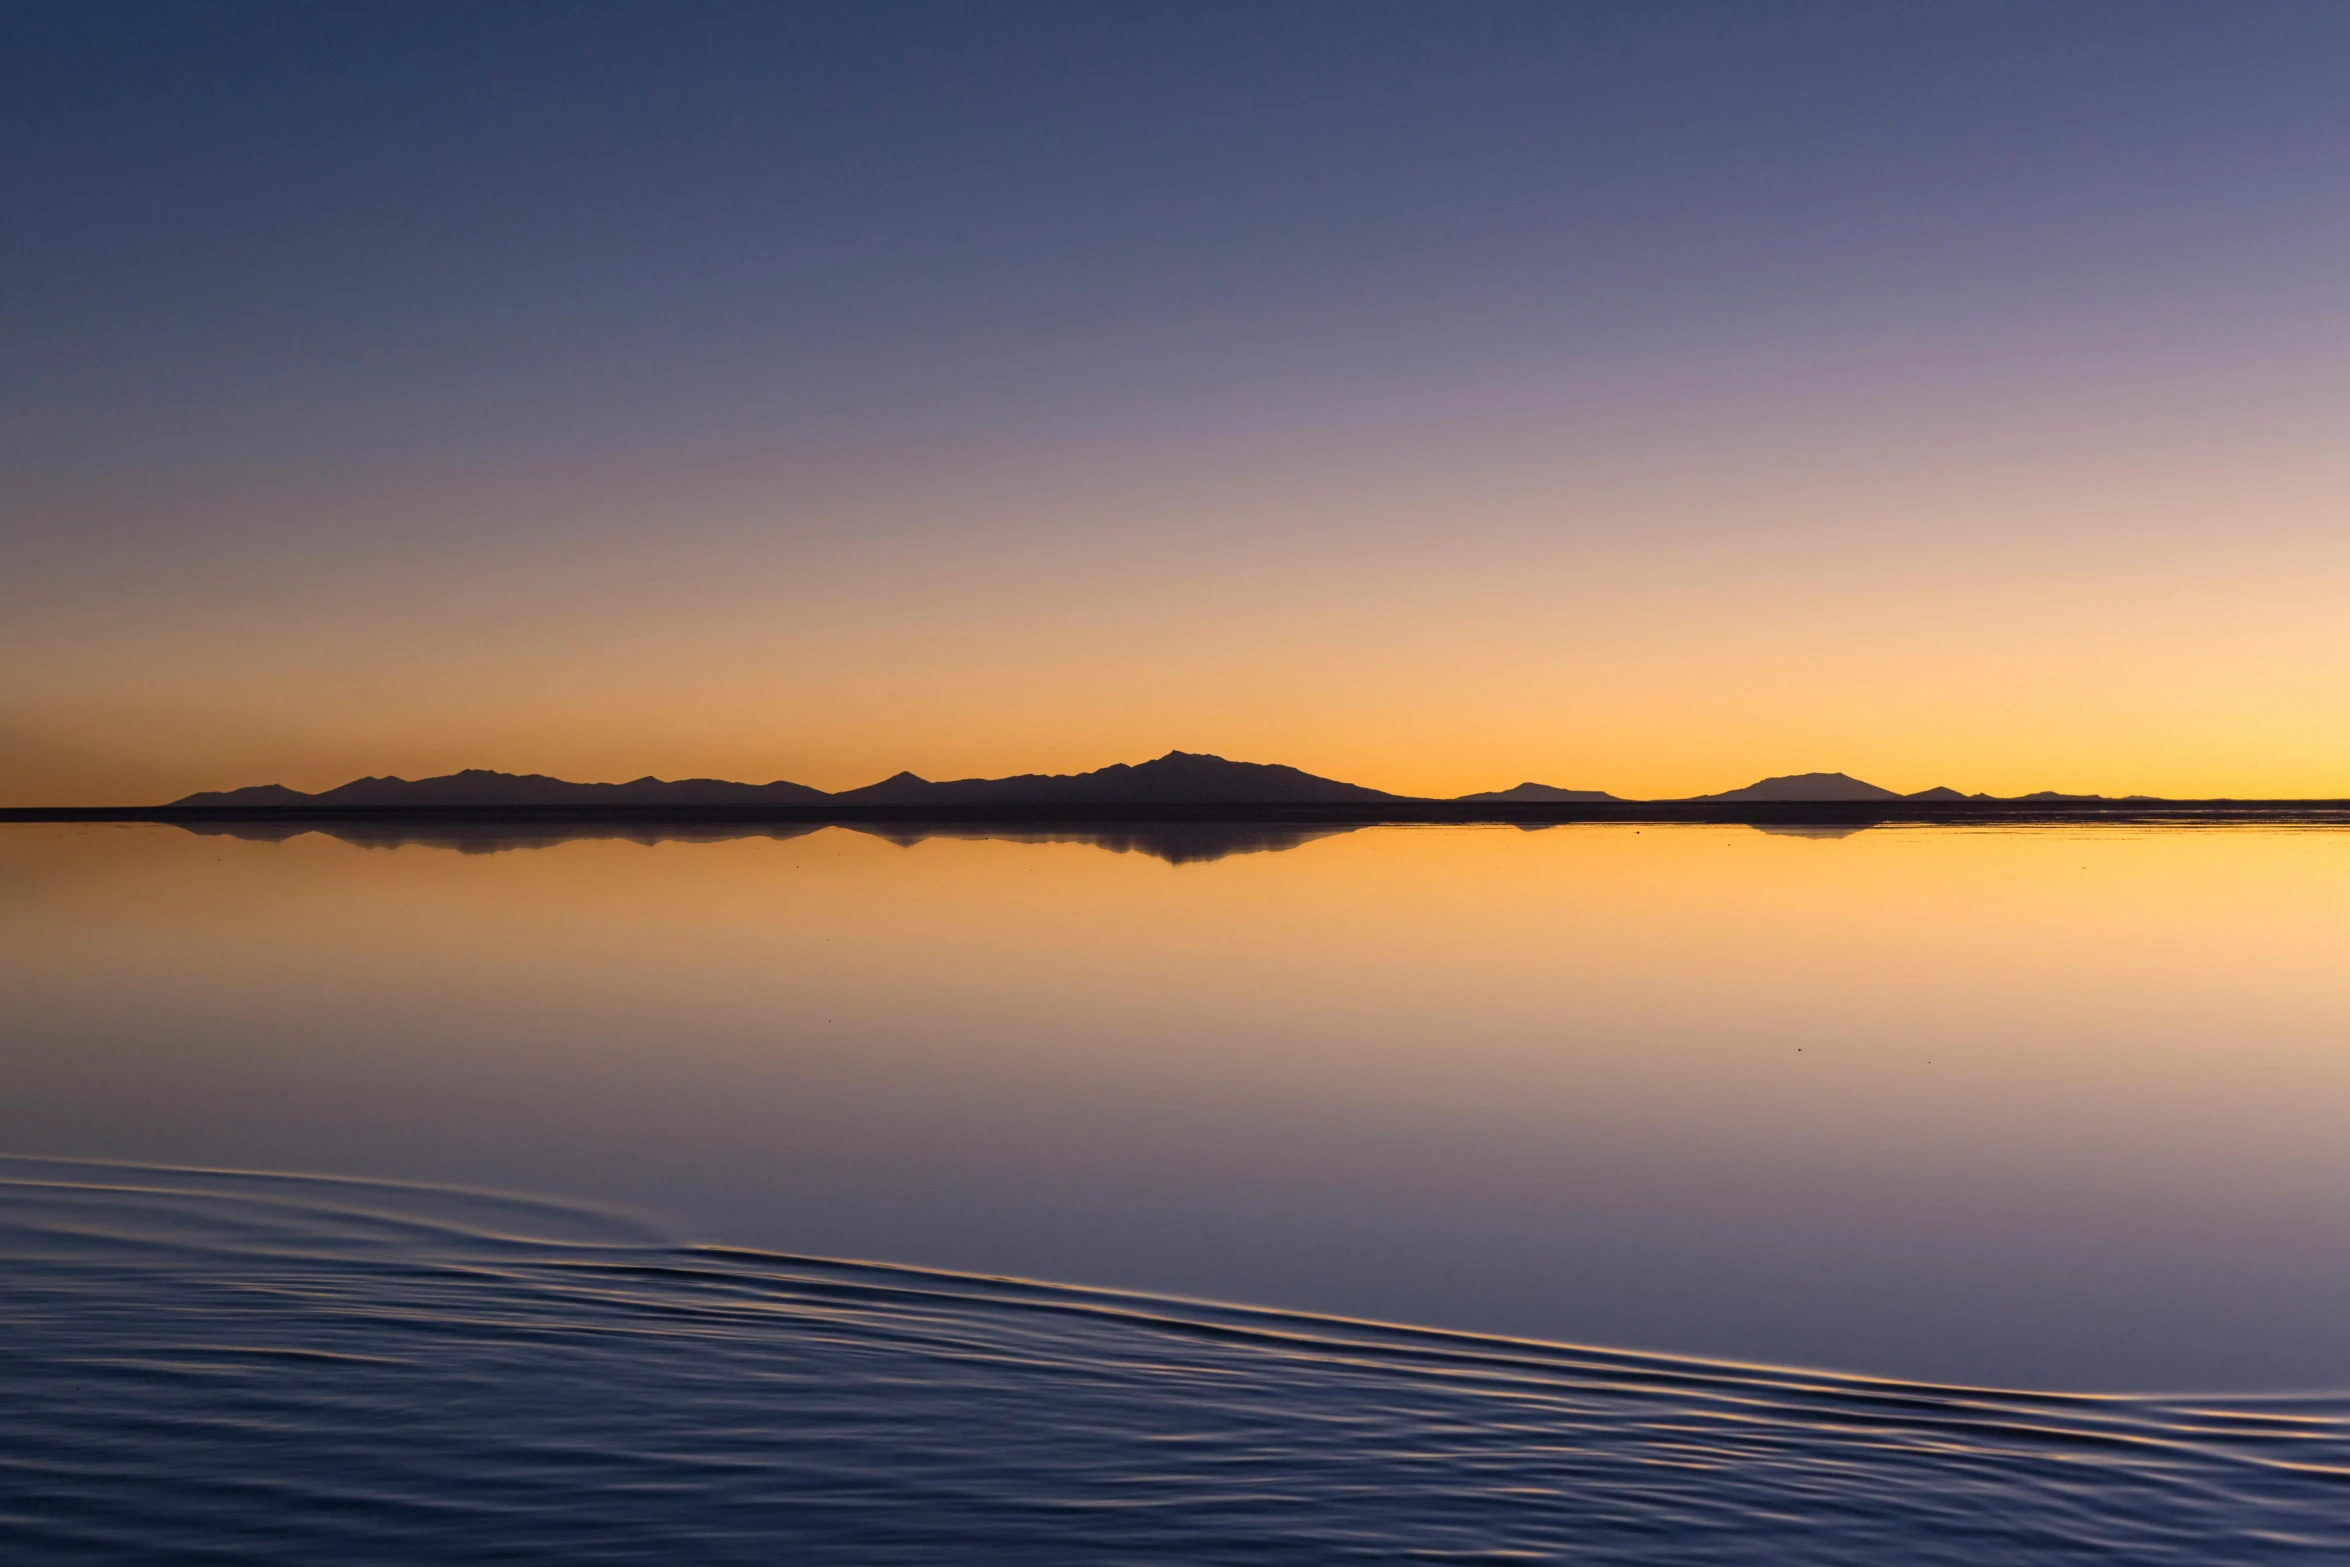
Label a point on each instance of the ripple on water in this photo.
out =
(206, 1366)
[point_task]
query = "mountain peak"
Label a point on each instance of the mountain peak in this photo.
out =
(1538, 793)
(1794, 787)
(1177, 778)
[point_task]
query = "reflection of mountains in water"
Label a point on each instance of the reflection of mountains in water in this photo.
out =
(1178, 843)
(488, 837)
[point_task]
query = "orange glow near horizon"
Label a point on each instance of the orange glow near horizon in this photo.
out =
(1592, 630)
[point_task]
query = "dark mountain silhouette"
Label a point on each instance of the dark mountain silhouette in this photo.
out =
(477, 788)
(1804, 787)
(1538, 793)
(1182, 779)
(1178, 778)
(258, 794)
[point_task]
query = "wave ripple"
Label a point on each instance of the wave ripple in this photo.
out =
(263, 1369)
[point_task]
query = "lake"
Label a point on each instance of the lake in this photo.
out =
(1605, 1128)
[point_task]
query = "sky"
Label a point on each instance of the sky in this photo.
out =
(1641, 397)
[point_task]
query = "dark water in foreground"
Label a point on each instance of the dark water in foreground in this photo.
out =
(206, 1367)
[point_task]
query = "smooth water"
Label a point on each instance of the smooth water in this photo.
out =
(1927, 1108)
(262, 1370)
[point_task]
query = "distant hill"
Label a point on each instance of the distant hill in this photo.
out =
(477, 788)
(1540, 793)
(1844, 788)
(1178, 778)
(1801, 787)
(258, 794)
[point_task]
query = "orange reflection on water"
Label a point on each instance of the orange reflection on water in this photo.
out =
(2031, 1106)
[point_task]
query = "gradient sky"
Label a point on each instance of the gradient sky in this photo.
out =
(1642, 397)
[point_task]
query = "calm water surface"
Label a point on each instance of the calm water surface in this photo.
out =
(1927, 1109)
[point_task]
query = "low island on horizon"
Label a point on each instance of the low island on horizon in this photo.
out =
(1180, 784)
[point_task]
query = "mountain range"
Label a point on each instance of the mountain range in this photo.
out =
(476, 787)
(1178, 778)
(1827, 787)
